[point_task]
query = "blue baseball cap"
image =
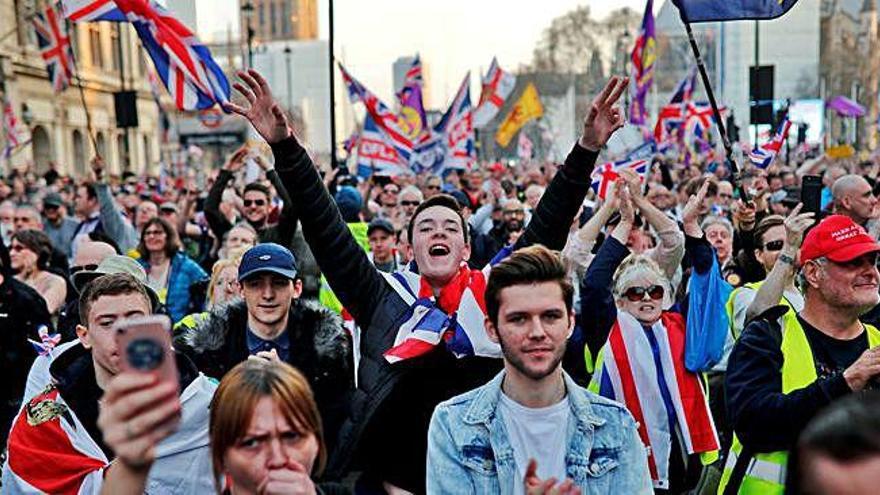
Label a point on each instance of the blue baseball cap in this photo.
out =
(267, 258)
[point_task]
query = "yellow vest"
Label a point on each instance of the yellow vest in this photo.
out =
(766, 473)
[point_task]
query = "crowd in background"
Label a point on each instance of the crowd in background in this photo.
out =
(231, 261)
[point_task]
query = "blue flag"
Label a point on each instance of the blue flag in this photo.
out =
(732, 10)
(707, 321)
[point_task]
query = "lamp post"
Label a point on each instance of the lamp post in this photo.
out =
(287, 52)
(625, 41)
(247, 10)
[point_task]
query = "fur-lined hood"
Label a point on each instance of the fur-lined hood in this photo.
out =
(213, 329)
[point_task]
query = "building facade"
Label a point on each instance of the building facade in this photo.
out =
(274, 20)
(57, 122)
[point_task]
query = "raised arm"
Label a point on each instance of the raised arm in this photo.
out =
(288, 219)
(552, 217)
(670, 250)
(598, 310)
(352, 277)
(218, 222)
(783, 272)
(114, 223)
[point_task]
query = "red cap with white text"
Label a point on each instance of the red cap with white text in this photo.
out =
(839, 239)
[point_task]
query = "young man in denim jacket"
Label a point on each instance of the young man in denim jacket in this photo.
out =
(532, 429)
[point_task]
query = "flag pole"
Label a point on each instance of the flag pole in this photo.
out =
(704, 76)
(82, 93)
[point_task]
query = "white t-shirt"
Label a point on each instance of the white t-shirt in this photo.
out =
(538, 434)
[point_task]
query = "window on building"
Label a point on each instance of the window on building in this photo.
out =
(95, 46)
(273, 20)
(115, 54)
(286, 20)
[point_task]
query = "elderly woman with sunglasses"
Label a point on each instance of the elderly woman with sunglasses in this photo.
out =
(640, 344)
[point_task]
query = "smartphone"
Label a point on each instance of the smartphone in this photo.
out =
(811, 194)
(144, 345)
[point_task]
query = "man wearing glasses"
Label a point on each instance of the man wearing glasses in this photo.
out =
(432, 186)
(781, 374)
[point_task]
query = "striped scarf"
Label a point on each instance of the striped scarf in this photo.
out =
(644, 369)
(456, 316)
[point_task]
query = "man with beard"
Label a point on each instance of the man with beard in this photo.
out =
(533, 409)
(787, 365)
(402, 374)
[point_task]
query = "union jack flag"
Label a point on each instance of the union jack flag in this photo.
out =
(386, 121)
(16, 134)
(673, 115)
(186, 68)
(414, 74)
(54, 47)
(607, 173)
(763, 156)
(47, 342)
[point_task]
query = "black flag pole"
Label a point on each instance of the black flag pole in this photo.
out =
(728, 148)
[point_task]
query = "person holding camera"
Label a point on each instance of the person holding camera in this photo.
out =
(57, 445)
(788, 365)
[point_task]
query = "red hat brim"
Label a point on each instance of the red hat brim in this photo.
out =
(853, 251)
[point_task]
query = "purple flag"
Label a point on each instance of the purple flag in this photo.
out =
(643, 56)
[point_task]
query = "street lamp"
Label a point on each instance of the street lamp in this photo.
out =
(287, 52)
(625, 41)
(247, 10)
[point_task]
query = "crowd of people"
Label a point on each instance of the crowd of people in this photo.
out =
(494, 330)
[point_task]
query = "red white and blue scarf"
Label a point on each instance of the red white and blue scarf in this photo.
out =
(644, 369)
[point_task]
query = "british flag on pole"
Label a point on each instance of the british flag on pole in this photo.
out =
(55, 47)
(184, 64)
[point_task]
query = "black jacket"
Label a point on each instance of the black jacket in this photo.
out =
(319, 348)
(765, 419)
(284, 233)
(377, 309)
(22, 312)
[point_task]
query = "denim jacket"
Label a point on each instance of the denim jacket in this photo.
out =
(469, 451)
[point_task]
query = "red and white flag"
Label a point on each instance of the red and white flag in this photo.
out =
(497, 86)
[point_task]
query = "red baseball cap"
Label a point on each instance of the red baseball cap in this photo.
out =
(839, 239)
(496, 167)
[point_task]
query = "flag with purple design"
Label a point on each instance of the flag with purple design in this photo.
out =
(184, 64)
(763, 156)
(386, 121)
(644, 55)
(604, 175)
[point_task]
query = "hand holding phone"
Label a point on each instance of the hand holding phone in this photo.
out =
(811, 194)
(144, 345)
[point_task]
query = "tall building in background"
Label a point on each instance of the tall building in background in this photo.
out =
(185, 12)
(275, 20)
(398, 74)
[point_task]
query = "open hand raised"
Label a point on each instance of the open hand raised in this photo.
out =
(263, 112)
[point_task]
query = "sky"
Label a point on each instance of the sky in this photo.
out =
(452, 37)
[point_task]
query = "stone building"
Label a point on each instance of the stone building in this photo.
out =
(58, 121)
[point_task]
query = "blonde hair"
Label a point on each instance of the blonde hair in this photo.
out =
(637, 266)
(233, 261)
(232, 407)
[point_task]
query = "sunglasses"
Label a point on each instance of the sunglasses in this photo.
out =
(432, 187)
(655, 292)
(410, 203)
(773, 246)
(390, 191)
(83, 268)
(256, 202)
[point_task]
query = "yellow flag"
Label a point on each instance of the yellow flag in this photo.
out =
(528, 107)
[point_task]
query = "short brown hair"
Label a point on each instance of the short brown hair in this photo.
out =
(237, 396)
(763, 226)
(445, 201)
(172, 241)
(112, 284)
(533, 264)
